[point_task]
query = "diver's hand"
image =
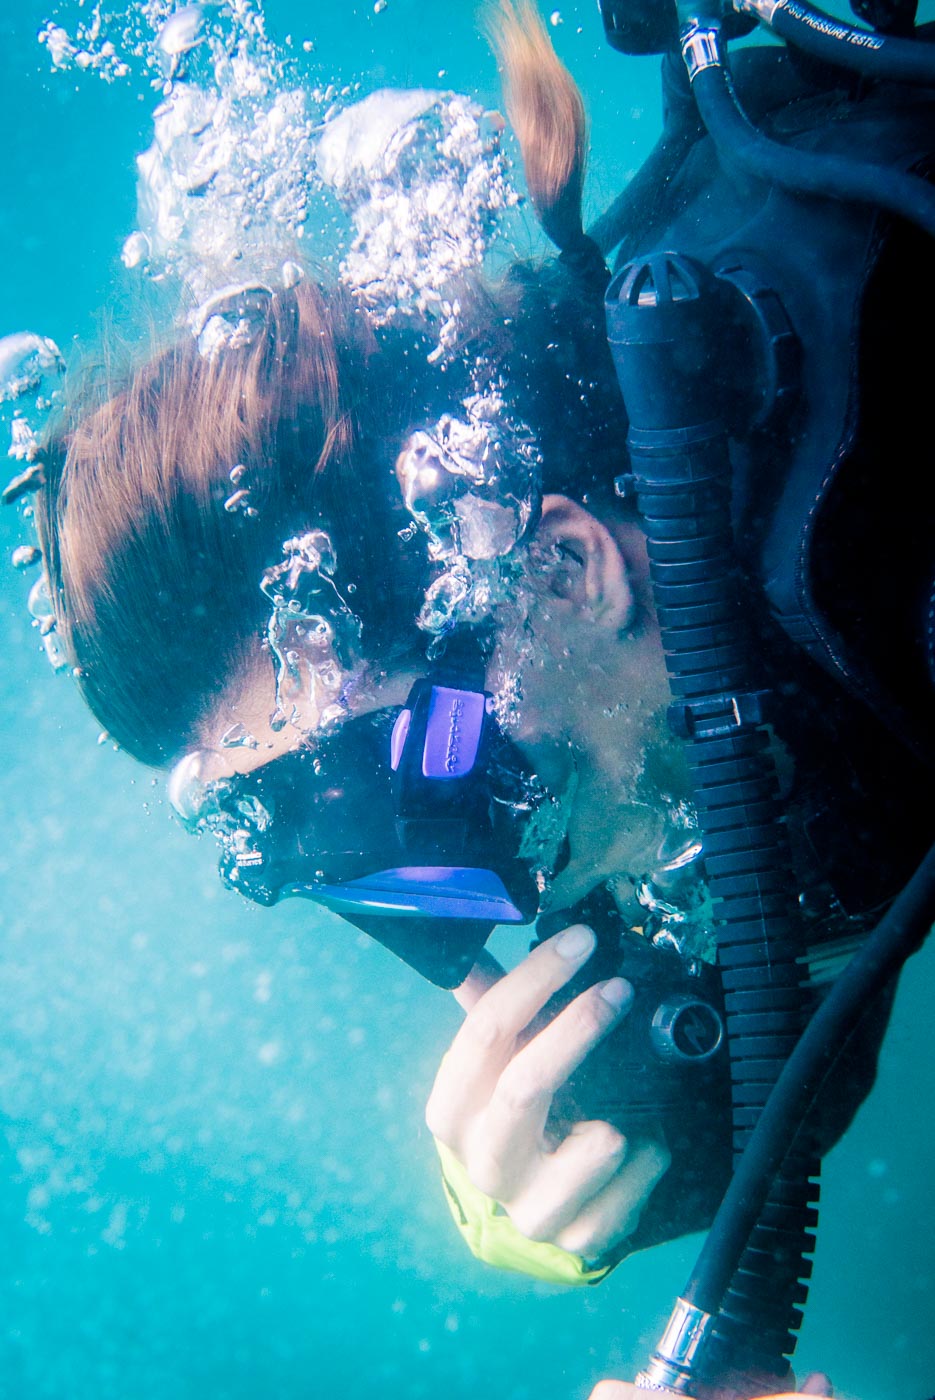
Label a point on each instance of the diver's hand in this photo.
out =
(492, 1096)
(815, 1383)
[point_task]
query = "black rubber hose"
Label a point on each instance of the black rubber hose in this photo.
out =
(683, 493)
(666, 325)
(832, 177)
(900, 933)
(872, 55)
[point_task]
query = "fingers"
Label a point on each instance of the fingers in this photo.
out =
(567, 1179)
(491, 1101)
(620, 1390)
(519, 1104)
(614, 1212)
(626, 1390)
(508, 1007)
(483, 1046)
(482, 976)
(816, 1383)
(555, 1052)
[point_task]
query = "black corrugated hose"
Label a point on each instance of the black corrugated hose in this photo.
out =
(664, 318)
(899, 934)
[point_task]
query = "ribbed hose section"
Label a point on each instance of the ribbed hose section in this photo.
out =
(682, 481)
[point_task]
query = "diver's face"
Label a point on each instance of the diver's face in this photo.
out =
(587, 674)
(253, 704)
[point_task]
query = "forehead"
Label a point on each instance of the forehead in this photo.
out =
(244, 734)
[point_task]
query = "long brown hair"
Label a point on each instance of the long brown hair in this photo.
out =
(155, 585)
(547, 113)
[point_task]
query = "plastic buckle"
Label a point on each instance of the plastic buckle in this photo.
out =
(719, 715)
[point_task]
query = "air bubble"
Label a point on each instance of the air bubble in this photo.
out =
(25, 360)
(238, 736)
(231, 318)
(180, 33)
(471, 485)
(421, 175)
(24, 445)
(136, 250)
(55, 652)
(313, 633)
(25, 556)
(39, 601)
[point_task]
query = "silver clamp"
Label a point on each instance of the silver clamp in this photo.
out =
(672, 1365)
(716, 716)
(701, 47)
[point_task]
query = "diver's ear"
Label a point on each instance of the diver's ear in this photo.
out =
(579, 561)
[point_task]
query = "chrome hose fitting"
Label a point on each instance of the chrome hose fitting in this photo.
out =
(672, 1366)
(701, 46)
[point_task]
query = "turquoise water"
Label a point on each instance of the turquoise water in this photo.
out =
(215, 1179)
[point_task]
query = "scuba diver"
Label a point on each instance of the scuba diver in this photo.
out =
(611, 615)
(760, 364)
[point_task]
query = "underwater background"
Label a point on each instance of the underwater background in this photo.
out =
(214, 1175)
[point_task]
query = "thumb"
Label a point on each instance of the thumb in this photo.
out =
(816, 1383)
(482, 976)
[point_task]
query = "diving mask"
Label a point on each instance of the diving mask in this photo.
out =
(408, 823)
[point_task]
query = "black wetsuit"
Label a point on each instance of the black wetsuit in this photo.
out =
(835, 526)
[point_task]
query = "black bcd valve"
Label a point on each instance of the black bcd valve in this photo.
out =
(652, 26)
(696, 347)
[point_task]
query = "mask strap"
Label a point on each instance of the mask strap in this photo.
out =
(463, 662)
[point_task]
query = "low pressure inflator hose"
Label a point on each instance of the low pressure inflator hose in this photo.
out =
(880, 56)
(741, 145)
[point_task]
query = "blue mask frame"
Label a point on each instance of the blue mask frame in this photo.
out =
(407, 823)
